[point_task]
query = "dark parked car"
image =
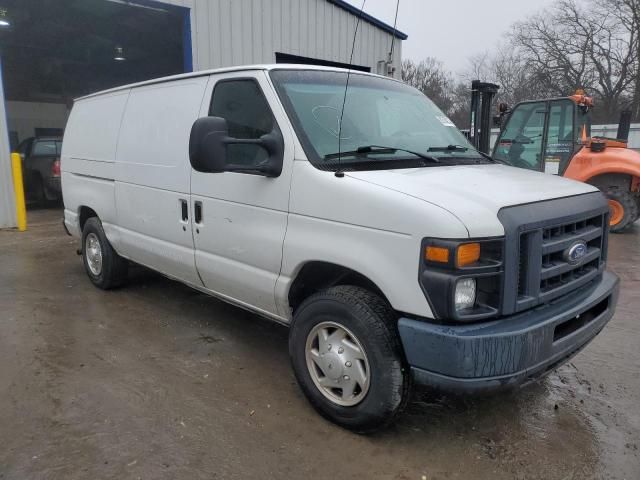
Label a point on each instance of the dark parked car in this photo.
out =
(41, 167)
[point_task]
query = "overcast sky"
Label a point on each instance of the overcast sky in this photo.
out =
(451, 30)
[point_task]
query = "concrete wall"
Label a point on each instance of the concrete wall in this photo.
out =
(241, 32)
(25, 117)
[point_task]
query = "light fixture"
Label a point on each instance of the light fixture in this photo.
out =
(119, 55)
(465, 293)
(4, 20)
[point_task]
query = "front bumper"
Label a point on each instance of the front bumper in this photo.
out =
(54, 185)
(506, 353)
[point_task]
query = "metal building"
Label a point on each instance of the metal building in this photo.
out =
(240, 32)
(55, 50)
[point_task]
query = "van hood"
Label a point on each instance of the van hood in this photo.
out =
(475, 193)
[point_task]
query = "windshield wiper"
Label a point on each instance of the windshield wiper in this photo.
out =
(491, 159)
(448, 148)
(379, 149)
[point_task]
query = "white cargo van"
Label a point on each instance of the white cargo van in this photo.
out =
(396, 253)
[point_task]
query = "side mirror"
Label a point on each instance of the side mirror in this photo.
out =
(208, 149)
(503, 107)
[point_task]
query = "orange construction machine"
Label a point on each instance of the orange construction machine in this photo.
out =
(554, 136)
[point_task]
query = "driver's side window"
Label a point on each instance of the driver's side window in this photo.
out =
(243, 105)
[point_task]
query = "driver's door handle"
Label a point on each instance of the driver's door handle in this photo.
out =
(197, 214)
(184, 210)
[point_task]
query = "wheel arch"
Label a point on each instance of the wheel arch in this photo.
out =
(621, 180)
(316, 275)
(84, 214)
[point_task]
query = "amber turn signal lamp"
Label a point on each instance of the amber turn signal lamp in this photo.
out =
(437, 254)
(467, 254)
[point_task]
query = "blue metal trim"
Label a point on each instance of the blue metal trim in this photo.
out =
(365, 16)
(5, 130)
(186, 41)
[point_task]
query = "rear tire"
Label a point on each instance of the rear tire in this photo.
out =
(623, 210)
(37, 192)
(351, 317)
(637, 200)
(105, 268)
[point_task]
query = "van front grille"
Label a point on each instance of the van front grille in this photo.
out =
(544, 270)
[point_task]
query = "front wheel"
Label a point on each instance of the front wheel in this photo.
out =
(623, 209)
(347, 358)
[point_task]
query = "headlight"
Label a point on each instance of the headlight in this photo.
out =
(463, 279)
(465, 294)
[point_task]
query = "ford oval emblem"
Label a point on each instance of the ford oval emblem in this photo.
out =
(575, 253)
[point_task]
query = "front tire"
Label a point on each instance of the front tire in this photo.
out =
(105, 268)
(347, 358)
(623, 210)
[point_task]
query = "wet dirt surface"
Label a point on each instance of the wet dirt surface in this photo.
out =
(157, 381)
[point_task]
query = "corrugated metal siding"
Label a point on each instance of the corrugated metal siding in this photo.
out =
(240, 32)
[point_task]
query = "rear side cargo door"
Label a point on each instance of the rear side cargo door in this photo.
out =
(153, 176)
(240, 219)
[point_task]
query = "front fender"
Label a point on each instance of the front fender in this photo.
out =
(587, 165)
(390, 260)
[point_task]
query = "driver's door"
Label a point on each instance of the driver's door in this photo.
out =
(560, 140)
(239, 219)
(520, 143)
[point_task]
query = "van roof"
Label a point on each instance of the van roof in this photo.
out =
(242, 68)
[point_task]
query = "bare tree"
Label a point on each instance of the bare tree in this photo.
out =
(593, 45)
(436, 82)
(568, 46)
(510, 71)
(431, 78)
(627, 12)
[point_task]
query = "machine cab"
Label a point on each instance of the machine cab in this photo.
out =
(543, 135)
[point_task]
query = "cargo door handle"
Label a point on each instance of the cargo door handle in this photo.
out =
(184, 209)
(197, 216)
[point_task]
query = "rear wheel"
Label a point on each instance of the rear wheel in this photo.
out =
(347, 358)
(105, 268)
(623, 209)
(34, 189)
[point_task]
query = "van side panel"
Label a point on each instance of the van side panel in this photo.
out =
(88, 159)
(152, 174)
(153, 149)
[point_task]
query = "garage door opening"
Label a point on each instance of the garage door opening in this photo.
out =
(56, 50)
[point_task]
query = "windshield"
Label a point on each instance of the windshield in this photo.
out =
(384, 121)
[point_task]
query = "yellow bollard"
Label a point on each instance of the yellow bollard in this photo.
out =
(18, 188)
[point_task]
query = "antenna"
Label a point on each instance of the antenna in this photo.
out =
(346, 86)
(393, 38)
